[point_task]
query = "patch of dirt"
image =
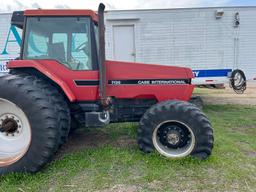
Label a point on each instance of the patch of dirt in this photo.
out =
(250, 153)
(82, 139)
(244, 129)
(246, 149)
(155, 185)
(124, 141)
(122, 188)
(228, 96)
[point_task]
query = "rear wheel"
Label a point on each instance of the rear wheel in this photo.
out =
(176, 129)
(32, 121)
(58, 100)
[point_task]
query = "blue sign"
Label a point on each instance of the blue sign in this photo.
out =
(212, 73)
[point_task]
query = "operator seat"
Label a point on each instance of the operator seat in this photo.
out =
(57, 51)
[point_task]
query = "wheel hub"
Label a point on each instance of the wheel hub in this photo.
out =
(173, 138)
(15, 133)
(10, 125)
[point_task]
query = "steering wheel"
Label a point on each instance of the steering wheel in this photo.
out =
(82, 47)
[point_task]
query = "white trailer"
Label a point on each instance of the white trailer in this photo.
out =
(211, 41)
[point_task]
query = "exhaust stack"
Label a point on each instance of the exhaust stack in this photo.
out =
(102, 56)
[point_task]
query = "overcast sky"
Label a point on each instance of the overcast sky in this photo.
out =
(11, 5)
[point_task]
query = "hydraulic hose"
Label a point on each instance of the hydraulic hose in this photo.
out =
(238, 81)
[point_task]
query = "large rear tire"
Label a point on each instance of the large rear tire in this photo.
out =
(59, 100)
(176, 129)
(42, 113)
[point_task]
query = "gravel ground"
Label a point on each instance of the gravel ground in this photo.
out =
(228, 96)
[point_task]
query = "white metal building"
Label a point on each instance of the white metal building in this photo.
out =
(211, 41)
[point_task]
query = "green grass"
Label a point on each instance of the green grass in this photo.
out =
(114, 167)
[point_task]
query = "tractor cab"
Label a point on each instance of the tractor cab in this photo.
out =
(69, 37)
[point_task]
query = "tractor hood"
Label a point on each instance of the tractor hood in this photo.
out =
(128, 70)
(124, 80)
(148, 80)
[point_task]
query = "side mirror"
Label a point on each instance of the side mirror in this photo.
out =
(18, 19)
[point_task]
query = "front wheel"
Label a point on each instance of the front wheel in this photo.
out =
(176, 129)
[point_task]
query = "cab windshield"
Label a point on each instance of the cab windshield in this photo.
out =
(65, 39)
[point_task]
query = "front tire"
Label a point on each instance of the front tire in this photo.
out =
(176, 129)
(44, 117)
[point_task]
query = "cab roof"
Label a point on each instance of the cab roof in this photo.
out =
(61, 12)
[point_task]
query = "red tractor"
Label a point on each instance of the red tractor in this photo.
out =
(62, 79)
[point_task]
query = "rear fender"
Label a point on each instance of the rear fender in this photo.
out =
(19, 64)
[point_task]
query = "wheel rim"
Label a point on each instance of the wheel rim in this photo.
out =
(15, 133)
(238, 79)
(173, 139)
